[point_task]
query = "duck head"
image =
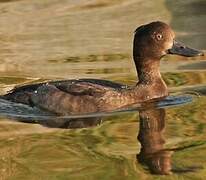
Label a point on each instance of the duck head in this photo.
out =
(151, 42)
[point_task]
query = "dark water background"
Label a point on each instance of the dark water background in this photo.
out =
(51, 39)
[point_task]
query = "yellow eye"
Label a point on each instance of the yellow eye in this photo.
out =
(159, 36)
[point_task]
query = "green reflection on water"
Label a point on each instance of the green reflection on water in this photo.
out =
(106, 151)
(49, 40)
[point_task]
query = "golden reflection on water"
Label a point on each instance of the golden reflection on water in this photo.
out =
(40, 31)
(109, 145)
(50, 39)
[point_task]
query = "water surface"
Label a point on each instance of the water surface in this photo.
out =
(51, 39)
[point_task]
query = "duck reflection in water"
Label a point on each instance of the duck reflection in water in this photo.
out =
(151, 128)
(72, 123)
(153, 154)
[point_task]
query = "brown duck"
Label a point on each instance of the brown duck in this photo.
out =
(151, 42)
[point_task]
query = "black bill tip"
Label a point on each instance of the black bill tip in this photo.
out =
(181, 49)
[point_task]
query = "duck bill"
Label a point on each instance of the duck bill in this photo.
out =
(180, 49)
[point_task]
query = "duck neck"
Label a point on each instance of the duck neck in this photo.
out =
(147, 70)
(150, 85)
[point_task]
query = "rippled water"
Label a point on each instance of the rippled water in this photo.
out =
(51, 39)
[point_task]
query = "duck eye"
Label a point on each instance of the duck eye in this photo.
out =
(159, 36)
